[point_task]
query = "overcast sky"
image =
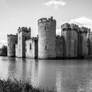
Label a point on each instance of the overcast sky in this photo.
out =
(15, 13)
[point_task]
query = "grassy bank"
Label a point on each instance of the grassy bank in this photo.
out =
(17, 86)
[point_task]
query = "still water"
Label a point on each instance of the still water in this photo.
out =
(60, 75)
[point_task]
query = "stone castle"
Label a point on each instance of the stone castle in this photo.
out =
(74, 42)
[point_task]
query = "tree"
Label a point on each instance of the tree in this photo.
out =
(3, 51)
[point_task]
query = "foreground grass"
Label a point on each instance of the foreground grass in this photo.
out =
(17, 86)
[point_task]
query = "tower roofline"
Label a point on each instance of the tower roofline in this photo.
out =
(42, 20)
(24, 29)
(11, 35)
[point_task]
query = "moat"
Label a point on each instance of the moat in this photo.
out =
(60, 75)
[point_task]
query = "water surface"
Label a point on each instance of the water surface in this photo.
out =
(60, 75)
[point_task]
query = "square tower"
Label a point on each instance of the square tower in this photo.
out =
(24, 34)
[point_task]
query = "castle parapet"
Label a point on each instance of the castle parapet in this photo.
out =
(74, 27)
(65, 26)
(24, 29)
(45, 20)
(11, 35)
(84, 30)
(12, 38)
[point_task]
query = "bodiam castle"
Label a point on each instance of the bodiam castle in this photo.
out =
(74, 42)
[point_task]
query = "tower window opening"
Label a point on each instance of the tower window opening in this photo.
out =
(45, 27)
(46, 47)
(30, 47)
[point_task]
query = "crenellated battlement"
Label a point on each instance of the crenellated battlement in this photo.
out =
(84, 30)
(12, 38)
(46, 20)
(24, 29)
(65, 26)
(74, 27)
(11, 35)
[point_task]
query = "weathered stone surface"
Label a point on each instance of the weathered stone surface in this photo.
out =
(74, 41)
(84, 41)
(11, 40)
(90, 44)
(60, 47)
(32, 48)
(71, 40)
(47, 38)
(23, 35)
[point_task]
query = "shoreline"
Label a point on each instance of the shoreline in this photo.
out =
(59, 58)
(18, 86)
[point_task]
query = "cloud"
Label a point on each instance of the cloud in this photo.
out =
(55, 3)
(82, 21)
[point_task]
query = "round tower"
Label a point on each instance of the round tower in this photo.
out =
(47, 38)
(11, 40)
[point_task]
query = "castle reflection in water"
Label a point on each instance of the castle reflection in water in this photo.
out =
(63, 76)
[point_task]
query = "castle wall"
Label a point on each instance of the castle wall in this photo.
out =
(47, 38)
(84, 46)
(23, 35)
(60, 47)
(80, 44)
(12, 40)
(19, 45)
(90, 43)
(84, 41)
(32, 48)
(74, 41)
(71, 44)
(71, 40)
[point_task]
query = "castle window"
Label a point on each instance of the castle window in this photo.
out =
(45, 47)
(30, 47)
(45, 27)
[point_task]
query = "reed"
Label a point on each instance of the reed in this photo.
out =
(18, 86)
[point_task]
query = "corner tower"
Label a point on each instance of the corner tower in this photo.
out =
(46, 38)
(70, 34)
(24, 34)
(11, 40)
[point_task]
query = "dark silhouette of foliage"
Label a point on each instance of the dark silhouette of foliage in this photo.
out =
(3, 51)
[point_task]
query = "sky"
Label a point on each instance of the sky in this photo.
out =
(19, 13)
